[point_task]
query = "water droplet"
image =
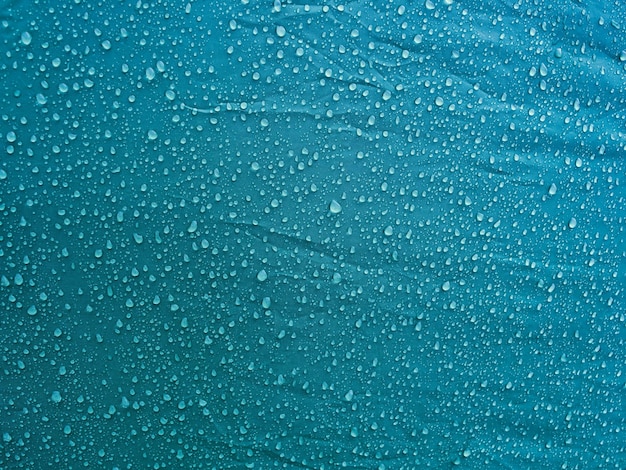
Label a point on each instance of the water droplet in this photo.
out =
(26, 38)
(552, 189)
(335, 207)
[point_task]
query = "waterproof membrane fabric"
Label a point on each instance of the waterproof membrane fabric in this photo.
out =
(287, 235)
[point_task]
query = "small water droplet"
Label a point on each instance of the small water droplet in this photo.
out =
(26, 38)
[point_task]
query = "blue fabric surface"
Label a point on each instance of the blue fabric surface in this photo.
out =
(371, 235)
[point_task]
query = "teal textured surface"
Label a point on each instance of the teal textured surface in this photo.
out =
(373, 235)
